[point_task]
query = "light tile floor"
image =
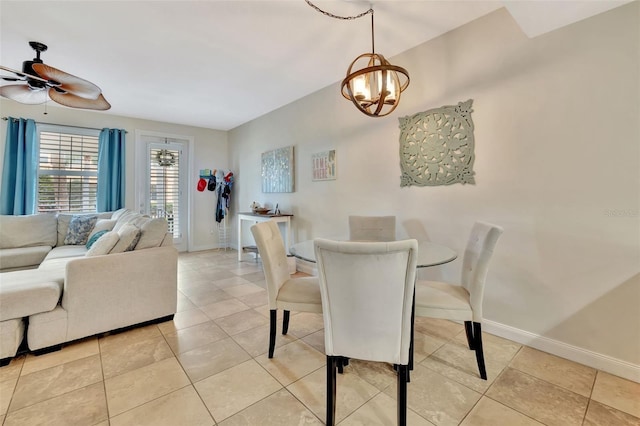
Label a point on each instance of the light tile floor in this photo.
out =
(209, 367)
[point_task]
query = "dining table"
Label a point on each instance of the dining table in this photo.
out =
(429, 253)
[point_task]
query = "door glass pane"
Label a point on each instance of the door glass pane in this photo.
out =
(164, 186)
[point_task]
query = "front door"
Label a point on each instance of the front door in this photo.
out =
(163, 185)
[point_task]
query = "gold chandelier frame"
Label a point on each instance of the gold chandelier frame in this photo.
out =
(372, 83)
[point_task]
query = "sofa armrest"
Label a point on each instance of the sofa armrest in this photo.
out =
(103, 293)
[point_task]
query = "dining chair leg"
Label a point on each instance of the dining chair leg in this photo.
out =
(272, 332)
(331, 390)
(413, 320)
(468, 328)
(285, 322)
(477, 344)
(403, 373)
(340, 364)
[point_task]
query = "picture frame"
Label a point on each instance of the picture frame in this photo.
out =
(278, 170)
(323, 165)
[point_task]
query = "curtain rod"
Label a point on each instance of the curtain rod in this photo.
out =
(64, 125)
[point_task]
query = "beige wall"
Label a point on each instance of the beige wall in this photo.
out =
(557, 136)
(209, 151)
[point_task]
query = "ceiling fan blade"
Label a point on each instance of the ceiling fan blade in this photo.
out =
(68, 82)
(13, 78)
(21, 75)
(23, 94)
(73, 101)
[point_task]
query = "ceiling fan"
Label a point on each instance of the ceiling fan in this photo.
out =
(42, 81)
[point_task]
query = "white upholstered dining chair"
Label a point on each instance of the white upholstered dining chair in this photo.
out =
(367, 295)
(372, 228)
(463, 302)
(290, 294)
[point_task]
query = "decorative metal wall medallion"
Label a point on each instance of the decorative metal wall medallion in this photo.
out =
(437, 146)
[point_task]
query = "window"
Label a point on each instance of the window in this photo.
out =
(68, 169)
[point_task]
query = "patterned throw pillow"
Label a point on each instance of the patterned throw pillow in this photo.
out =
(94, 237)
(80, 227)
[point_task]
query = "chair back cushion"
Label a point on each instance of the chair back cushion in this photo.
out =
(274, 257)
(367, 295)
(475, 263)
(372, 228)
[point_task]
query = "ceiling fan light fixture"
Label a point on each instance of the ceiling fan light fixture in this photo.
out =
(62, 87)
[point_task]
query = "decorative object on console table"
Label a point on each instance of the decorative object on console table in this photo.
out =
(278, 170)
(437, 146)
(324, 165)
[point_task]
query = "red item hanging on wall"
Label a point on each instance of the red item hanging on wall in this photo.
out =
(202, 184)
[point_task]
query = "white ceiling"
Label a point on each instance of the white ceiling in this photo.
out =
(219, 64)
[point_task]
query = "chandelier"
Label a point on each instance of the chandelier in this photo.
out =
(372, 83)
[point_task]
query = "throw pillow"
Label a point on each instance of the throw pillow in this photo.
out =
(94, 237)
(116, 215)
(127, 217)
(80, 227)
(153, 233)
(104, 244)
(102, 225)
(129, 236)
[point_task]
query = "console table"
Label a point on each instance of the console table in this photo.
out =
(255, 217)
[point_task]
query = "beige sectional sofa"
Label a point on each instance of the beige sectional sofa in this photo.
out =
(61, 292)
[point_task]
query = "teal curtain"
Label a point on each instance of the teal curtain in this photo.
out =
(111, 163)
(20, 168)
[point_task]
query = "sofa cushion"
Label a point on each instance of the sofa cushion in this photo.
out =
(104, 244)
(102, 225)
(94, 237)
(66, 251)
(23, 293)
(80, 227)
(153, 232)
(129, 236)
(56, 267)
(28, 231)
(65, 218)
(116, 214)
(11, 334)
(132, 218)
(23, 257)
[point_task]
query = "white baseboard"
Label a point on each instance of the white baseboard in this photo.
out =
(602, 362)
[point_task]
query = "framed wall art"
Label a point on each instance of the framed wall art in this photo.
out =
(278, 170)
(323, 165)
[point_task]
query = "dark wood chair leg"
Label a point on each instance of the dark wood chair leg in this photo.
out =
(285, 322)
(469, 330)
(477, 344)
(340, 364)
(331, 390)
(403, 374)
(272, 332)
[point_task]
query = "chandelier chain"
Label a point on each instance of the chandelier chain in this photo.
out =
(346, 18)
